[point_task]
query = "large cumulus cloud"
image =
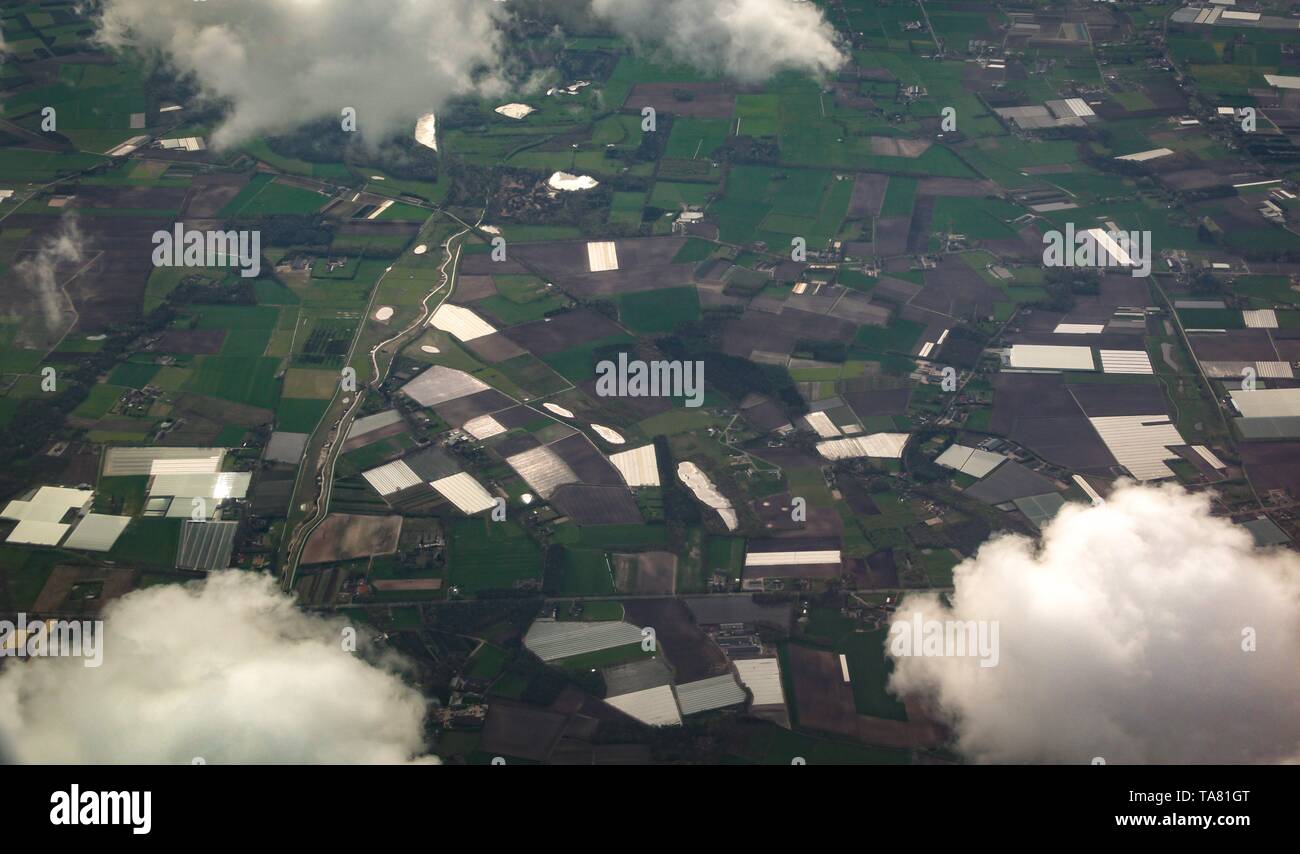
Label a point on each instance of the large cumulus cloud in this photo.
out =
(748, 40)
(229, 670)
(281, 63)
(1122, 637)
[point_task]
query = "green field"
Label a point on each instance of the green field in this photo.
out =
(900, 336)
(264, 196)
(133, 374)
(243, 379)
(869, 671)
(520, 299)
(299, 415)
(99, 401)
(693, 250)
(824, 188)
(625, 209)
(584, 572)
(692, 139)
(150, 542)
(724, 554)
(659, 311)
(487, 555)
(487, 662)
(248, 327)
(978, 218)
(777, 205)
(900, 197)
(579, 363)
(676, 195)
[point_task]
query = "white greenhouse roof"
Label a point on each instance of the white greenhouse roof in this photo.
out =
(440, 384)
(550, 640)
(602, 256)
(1267, 403)
(461, 322)
(639, 466)
(37, 533)
(880, 445)
(804, 558)
(716, 692)
(1140, 443)
(975, 462)
(465, 492)
(392, 477)
(1152, 154)
(97, 532)
(220, 486)
(1125, 362)
(48, 504)
(1062, 357)
(120, 462)
(653, 706)
(762, 676)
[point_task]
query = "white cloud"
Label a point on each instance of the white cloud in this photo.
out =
(1121, 638)
(282, 63)
(64, 249)
(229, 670)
(748, 40)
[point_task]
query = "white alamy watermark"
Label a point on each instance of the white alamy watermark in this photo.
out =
(75, 807)
(945, 639)
(182, 247)
(1099, 248)
(638, 378)
(53, 638)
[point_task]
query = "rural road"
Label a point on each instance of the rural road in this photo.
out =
(334, 440)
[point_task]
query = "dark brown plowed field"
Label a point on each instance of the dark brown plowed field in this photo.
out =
(692, 653)
(706, 101)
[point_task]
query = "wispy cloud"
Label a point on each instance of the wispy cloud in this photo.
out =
(39, 273)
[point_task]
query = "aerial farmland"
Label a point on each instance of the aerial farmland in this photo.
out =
(853, 383)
